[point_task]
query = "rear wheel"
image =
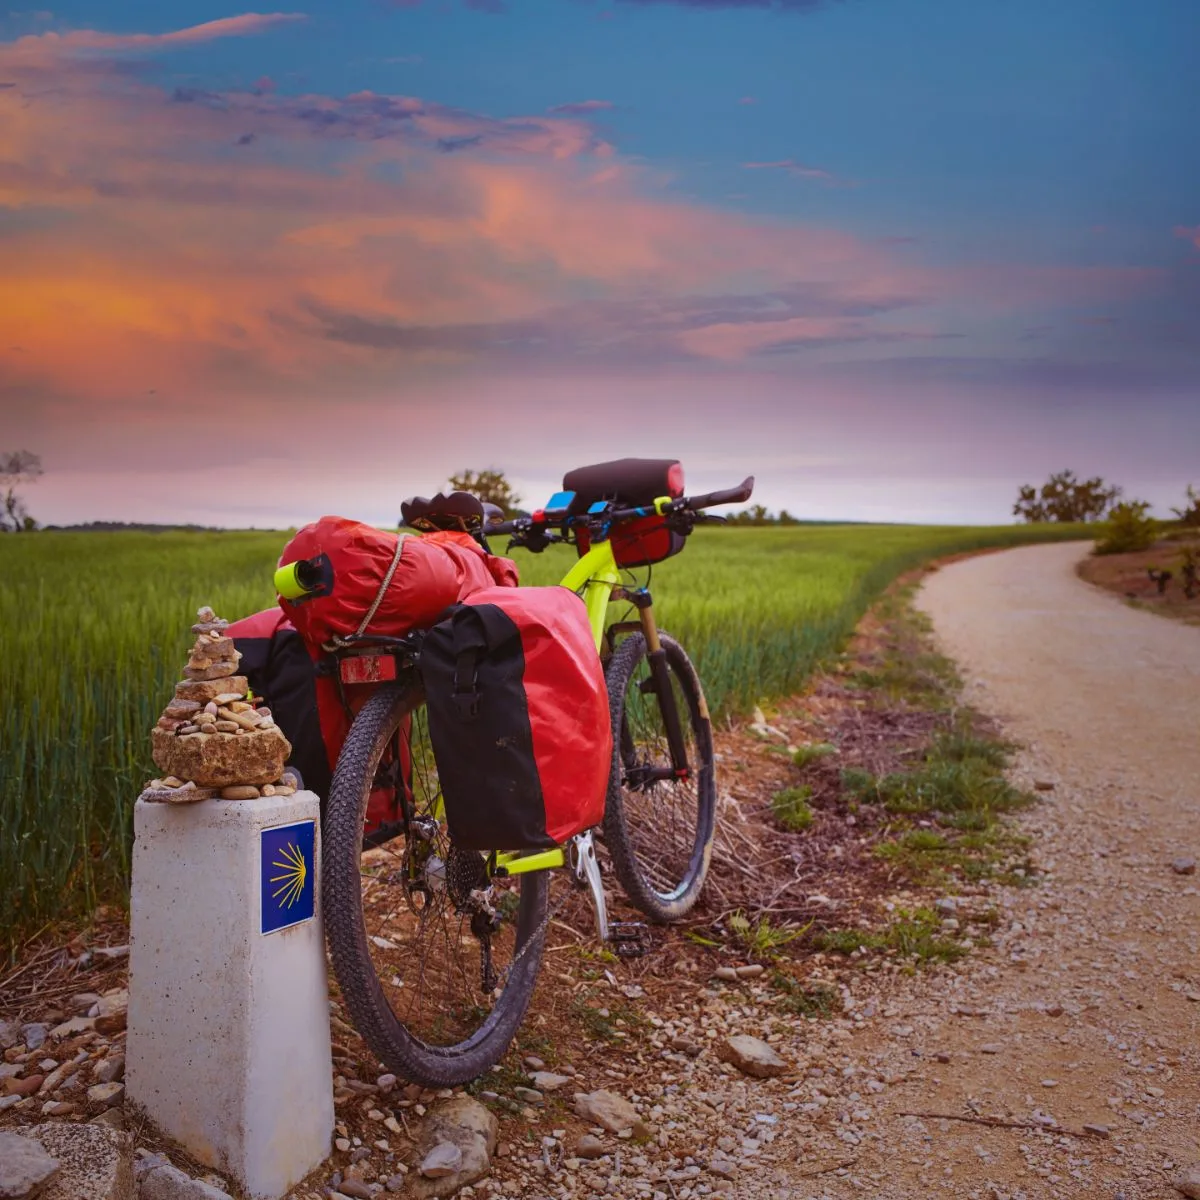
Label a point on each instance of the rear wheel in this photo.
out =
(436, 961)
(659, 831)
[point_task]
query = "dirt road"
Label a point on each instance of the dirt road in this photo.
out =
(1086, 1009)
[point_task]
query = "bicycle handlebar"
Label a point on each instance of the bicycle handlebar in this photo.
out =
(737, 495)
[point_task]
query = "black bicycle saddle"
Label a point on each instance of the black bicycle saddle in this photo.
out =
(458, 510)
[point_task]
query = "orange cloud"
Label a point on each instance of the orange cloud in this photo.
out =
(234, 242)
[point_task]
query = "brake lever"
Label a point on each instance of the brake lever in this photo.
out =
(707, 519)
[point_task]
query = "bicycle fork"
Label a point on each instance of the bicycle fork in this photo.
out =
(659, 683)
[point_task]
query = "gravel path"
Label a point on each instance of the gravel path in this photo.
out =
(1086, 1009)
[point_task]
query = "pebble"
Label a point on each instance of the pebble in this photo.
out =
(992, 1048)
(752, 1056)
(105, 1093)
(1188, 1182)
(1184, 866)
(590, 1146)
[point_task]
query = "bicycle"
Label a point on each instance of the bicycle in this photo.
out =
(405, 894)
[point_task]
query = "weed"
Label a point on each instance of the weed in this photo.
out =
(912, 934)
(812, 1001)
(791, 809)
(763, 939)
(813, 752)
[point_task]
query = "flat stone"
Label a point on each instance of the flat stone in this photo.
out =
(222, 759)
(204, 690)
(73, 1026)
(10, 1035)
(528, 1095)
(106, 1093)
(25, 1167)
(444, 1159)
(110, 1118)
(95, 1162)
(992, 1048)
(548, 1081)
(606, 1109)
(170, 1183)
(1184, 866)
(472, 1128)
(751, 1056)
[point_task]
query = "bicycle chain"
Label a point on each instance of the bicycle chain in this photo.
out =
(551, 913)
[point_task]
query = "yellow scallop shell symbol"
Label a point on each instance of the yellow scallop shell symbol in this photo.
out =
(293, 874)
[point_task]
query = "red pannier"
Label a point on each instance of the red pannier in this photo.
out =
(630, 483)
(518, 718)
(401, 582)
(308, 707)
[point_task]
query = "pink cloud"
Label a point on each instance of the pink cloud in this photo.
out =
(748, 100)
(55, 44)
(1190, 232)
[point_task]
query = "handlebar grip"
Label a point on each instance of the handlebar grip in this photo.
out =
(737, 495)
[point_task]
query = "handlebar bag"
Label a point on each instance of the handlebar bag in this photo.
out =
(518, 718)
(638, 543)
(308, 708)
(376, 581)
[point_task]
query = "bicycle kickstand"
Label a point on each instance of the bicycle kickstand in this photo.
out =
(626, 937)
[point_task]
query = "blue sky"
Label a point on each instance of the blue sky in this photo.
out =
(932, 249)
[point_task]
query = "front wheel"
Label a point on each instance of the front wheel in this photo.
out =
(436, 961)
(658, 829)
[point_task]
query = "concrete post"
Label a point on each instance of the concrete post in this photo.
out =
(228, 1047)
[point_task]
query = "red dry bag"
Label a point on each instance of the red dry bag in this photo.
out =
(518, 718)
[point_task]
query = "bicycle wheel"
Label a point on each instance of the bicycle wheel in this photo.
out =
(658, 831)
(436, 962)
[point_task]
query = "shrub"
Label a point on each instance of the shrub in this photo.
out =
(1189, 515)
(1127, 528)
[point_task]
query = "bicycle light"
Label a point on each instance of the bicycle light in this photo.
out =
(305, 578)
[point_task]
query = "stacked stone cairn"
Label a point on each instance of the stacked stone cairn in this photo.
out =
(214, 739)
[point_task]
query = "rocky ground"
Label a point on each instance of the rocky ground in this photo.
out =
(1013, 1041)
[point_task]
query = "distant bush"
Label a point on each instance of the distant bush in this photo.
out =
(1127, 529)
(1189, 515)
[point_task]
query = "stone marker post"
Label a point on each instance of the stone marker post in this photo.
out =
(228, 1047)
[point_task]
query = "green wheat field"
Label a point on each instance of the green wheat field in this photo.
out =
(94, 631)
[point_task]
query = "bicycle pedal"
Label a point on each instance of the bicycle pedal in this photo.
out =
(629, 938)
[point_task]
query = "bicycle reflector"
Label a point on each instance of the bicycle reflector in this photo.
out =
(305, 578)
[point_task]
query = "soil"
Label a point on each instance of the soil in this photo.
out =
(1127, 575)
(1058, 1059)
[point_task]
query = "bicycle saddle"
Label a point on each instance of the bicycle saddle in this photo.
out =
(458, 510)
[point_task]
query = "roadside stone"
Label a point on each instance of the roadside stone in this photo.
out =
(467, 1125)
(170, 1183)
(751, 1056)
(10, 1035)
(111, 1118)
(533, 1063)
(73, 1026)
(528, 1095)
(105, 1093)
(29, 1086)
(355, 1189)
(992, 1048)
(25, 1167)
(110, 1070)
(95, 1162)
(1187, 1182)
(607, 1109)
(688, 1046)
(548, 1081)
(34, 1034)
(1184, 866)
(590, 1146)
(726, 973)
(1101, 1131)
(750, 971)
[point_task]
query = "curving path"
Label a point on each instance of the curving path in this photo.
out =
(1086, 1010)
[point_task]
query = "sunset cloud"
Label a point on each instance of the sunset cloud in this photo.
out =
(579, 107)
(1190, 232)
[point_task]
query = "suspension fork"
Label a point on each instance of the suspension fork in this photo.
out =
(660, 684)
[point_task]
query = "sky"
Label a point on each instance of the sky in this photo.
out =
(892, 257)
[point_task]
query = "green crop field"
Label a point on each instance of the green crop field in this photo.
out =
(94, 631)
